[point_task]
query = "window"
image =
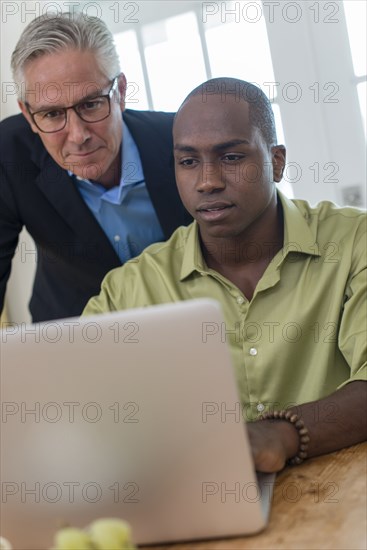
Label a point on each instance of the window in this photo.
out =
(136, 93)
(356, 17)
(180, 52)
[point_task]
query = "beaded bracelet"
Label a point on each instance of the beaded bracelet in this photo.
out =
(304, 438)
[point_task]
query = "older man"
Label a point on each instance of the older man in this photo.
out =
(291, 278)
(92, 187)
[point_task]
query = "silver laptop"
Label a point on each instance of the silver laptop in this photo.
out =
(132, 414)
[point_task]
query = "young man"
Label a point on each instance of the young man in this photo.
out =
(290, 278)
(93, 187)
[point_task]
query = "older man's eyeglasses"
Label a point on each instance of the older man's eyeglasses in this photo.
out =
(90, 110)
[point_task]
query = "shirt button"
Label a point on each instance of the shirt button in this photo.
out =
(260, 407)
(253, 351)
(116, 238)
(240, 300)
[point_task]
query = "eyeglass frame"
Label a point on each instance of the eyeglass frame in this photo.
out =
(74, 108)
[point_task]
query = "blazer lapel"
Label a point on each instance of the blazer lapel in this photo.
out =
(152, 133)
(58, 187)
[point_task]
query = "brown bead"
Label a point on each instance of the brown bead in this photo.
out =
(303, 434)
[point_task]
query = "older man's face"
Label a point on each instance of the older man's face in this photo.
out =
(89, 150)
(225, 171)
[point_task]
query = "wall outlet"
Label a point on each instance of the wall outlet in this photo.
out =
(352, 196)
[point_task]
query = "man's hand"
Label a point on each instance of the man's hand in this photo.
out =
(337, 421)
(273, 442)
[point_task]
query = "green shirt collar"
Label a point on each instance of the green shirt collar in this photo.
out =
(298, 237)
(192, 258)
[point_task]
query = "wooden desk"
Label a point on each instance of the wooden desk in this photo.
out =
(318, 505)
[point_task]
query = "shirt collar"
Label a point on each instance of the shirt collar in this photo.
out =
(131, 169)
(193, 259)
(298, 237)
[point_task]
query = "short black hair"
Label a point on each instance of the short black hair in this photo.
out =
(260, 109)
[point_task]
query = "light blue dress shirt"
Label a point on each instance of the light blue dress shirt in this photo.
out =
(125, 213)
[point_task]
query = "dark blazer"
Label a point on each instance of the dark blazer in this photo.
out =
(73, 252)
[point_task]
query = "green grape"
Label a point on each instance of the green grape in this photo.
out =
(70, 538)
(4, 544)
(111, 534)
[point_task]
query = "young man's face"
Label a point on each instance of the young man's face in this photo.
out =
(89, 150)
(225, 171)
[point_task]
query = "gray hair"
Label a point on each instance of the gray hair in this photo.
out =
(260, 111)
(52, 33)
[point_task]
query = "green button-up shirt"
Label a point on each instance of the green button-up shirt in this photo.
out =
(302, 335)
